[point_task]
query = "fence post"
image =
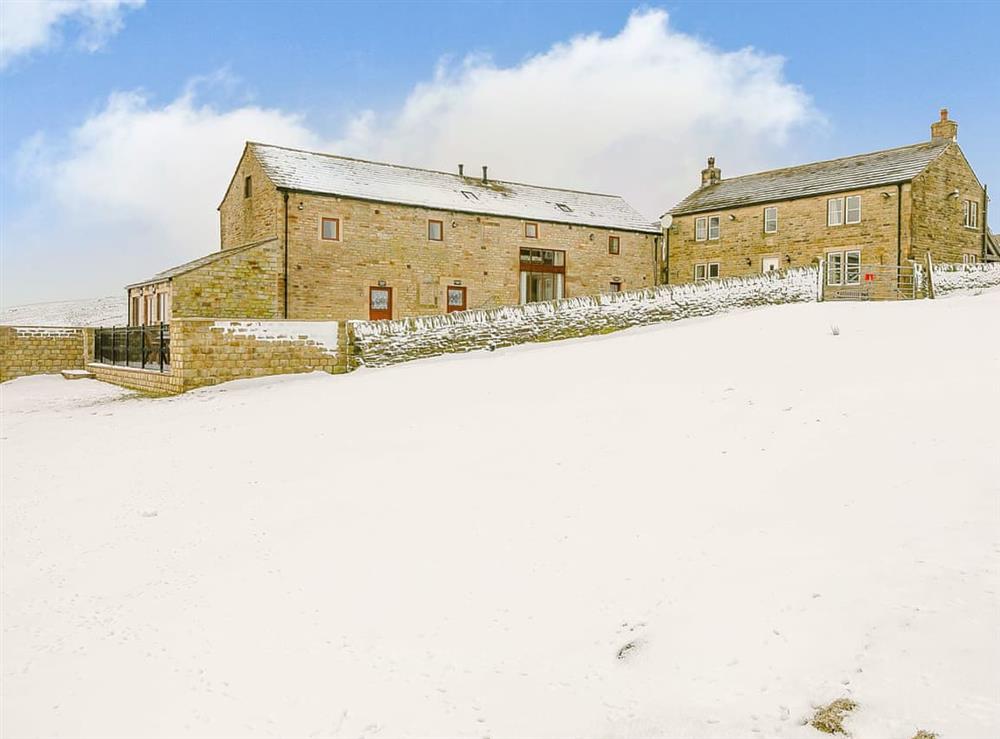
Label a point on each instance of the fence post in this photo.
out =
(930, 275)
(821, 263)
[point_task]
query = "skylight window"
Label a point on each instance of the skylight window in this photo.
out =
(564, 208)
(470, 195)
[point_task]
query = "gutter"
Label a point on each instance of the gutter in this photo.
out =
(899, 226)
(284, 253)
(986, 213)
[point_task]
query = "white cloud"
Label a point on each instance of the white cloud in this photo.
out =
(634, 114)
(29, 25)
(134, 189)
(130, 192)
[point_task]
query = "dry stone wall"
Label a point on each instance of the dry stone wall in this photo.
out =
(381, 343)
(948, 278)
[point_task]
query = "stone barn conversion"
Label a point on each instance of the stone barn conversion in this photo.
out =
(306, 235)
(867, 217)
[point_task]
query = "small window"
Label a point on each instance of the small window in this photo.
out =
(969, 259)
(614, 245)
(835, 212)
(615, 287)
(970, 213)
(330, 230)
(564, 208)
(708, 271)
(470, 195)
(135, 319)
(700, 229)
(771, 220)
(854, 209)
(530, 230)
(713, 228)
(247, 186)
(435, 230)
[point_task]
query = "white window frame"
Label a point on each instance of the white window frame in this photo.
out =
(839, 202)
(717, 222)
(839, 273)
(847, 267)
(845, 274)
(970, 259)
(847, 209)
(705, 269)
(970, 214)
(700, 229)
(771, 219)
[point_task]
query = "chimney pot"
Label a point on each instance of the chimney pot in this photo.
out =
(461, 170)
(485, 180)
(944, 114)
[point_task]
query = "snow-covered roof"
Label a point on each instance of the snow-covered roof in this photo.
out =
(307, 171)
(849, 173)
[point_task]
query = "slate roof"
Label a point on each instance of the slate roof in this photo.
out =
(181, 269)
(306, 171)
(849, 173)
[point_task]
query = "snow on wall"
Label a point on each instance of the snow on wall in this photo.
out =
(380, 343)
(322, 334)
(950, 277)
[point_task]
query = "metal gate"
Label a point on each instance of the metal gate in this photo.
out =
(876, 282)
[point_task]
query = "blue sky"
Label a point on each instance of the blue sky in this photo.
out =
(129, 97)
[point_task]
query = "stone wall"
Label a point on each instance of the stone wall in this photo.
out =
(380, 343)
(385, 244)
(243, 220)
(145, 381)
(948, 278)
(938, 225)
(802, 236)
(208, 351)
(238, 285)
(37, 350)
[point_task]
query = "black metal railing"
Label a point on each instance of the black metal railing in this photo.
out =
(142, 347)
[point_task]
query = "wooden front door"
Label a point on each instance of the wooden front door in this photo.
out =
(379, 303)
(456, 298)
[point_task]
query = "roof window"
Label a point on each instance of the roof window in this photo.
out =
(470, 195)
(564, 208)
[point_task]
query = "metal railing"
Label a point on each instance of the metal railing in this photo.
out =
(142, 347)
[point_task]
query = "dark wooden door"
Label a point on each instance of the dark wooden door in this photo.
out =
(456, 298)
(379, 303)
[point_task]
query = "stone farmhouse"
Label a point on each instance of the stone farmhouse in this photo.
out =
(887, 208)
(314, 236)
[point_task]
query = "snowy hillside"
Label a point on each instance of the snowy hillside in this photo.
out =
(699, 529)
(107, 311)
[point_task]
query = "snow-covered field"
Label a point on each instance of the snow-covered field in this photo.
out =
(108, 311)
(773, 516)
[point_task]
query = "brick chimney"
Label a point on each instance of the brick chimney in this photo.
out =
(944, 128)
(711, 175)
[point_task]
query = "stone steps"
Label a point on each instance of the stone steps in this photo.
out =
(77, 374)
